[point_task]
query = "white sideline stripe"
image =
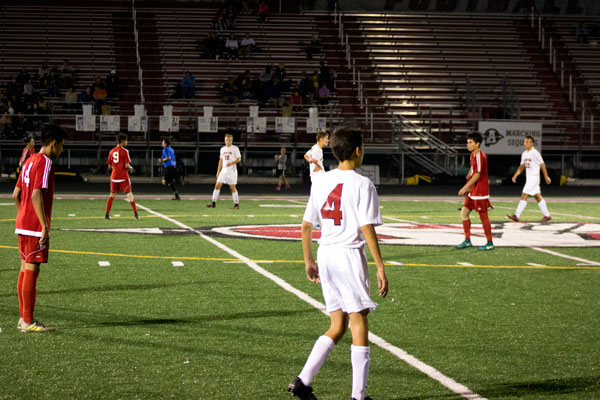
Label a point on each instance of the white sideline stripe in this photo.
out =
(466, 264)
(7, 204)
(398, 352)
(282, 205)
(536, 265)
(552, 213)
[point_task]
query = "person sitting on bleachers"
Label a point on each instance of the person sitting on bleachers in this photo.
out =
(231, 46)
(86, 97)
(274, 91)
(23, 76)
(314, 47)
(306, 88)
(296, 101)
(263, 10)
(112, 84)
(28, 89)
(70, 99)
(244, 83)
(68, 76)
(177, 91)
(266, 75)
(247, 46)
(189, 85)
(325, 76)
(324, 94)
(99, 94)
(211, 46)
(581, 34)
(281, 73)
(219, 22)
(44, 70)
(230, 93)
(52, 84)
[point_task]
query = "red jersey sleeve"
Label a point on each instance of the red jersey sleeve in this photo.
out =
(39, 174)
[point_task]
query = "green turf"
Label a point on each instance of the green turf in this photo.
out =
(214, 329)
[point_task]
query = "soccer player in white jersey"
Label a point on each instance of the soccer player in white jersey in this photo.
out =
(314, 156)
(346, 206)
(532, 160)
(227, 172)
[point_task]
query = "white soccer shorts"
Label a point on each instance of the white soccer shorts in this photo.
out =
(227, 177)
(532, 185)
(316, 175)
(344, 279)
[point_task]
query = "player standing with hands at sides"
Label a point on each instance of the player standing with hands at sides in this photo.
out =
(281, 167)
(314, 156)
(169, 163)
(33, 196)
(28, 151)
(533, 161)
(227, 172)
(477, 193)
(119, 162)
(346, 206)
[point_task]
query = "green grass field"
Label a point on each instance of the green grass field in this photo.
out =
(514, 323)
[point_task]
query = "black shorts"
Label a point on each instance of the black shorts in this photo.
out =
(170, 175)
(281, 172)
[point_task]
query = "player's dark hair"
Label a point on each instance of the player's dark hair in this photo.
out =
(26, 139)
(121, 137)
(344, 141)
(167, 142)
(51, 133)
(475, 136)
(321, 135)
(530, 138)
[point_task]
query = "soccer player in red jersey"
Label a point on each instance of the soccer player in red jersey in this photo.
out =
(118, 161)
(33, 196)
(28, 151)
(477, 193)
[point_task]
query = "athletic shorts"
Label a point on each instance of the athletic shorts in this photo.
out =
(316, 175)
(344, 278)
(477, 205)
(281, 172)
(31, 250)
(170, 175)
(228, 177)
(123, 187)
(532, 185)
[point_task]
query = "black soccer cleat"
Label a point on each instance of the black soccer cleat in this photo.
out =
(211, 205)
(300, 390)
(236, 207)
(176, 197)
(136, 216)
(107, 216)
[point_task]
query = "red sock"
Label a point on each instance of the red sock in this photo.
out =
(29, 293)
(467, 228)
(487, 225)
(109, 204)
(20, 292)
(133, 206)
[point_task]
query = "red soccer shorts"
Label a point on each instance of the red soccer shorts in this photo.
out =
(123, 187)
(31, 250)
(477, 205)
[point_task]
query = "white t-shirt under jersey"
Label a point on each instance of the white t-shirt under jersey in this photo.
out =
(532, 160)
(315, 152)
(342, 201)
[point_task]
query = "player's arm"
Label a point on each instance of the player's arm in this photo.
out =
(38, 206)
(471, 182)
(545, 172)
(17, 196)
(307, 158)
(220, 167)
(518, 172)
(312, 271)
(129, 167)
(237, 160)
(371, 238)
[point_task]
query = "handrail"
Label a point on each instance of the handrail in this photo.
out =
(137, 51)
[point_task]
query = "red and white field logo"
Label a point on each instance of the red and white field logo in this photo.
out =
(508, 234)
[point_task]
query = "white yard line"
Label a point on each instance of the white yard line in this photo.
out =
(398, 352)
(466, 264)
(536, 265)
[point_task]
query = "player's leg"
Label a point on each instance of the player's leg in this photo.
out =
(111, 198)
(215, 194)
(522, 204)
(360, 353)
(172, 172)
(235, 195)
(543, 207)
(280, 181)
(20, 292)
(300, 386)
(466, 223)
(487, 226)
(131, 199)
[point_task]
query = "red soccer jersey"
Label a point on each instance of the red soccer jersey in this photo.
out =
(118, 158)
(480, 189)
(37, 173)
(27, 152)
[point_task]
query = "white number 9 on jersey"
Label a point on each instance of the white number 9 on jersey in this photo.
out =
(116, 157)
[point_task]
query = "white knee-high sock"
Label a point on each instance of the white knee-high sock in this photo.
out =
(236, 198)
(521, 207)
(316, 359)
(360, 370)
(215, 195)
(544, 208)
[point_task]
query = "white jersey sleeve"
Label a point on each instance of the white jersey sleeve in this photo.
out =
(368, 205)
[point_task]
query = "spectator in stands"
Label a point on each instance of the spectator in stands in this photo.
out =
(314, 47)
(231, 46)
(296, 100)
(28, 89)
(219, 22)
(244, 83)
(100, 96)
(246, 46)
(211, 48)
(23, 76)
(306, 88)
(274, 91)
(324, 94)
(98, 84)
(286, 109)
(178, 91)
(281, 74)
(230, 15)
(189, 85)
(70, 100)
(86, 97)
(14, 87)
(263, 10)
(230, 92)
(245, 7)
(52, 84)
(266, 75)
(112, 84)
(68, 76)
(324, 75)
(581, 33)
(43, 112)
(44, 70)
